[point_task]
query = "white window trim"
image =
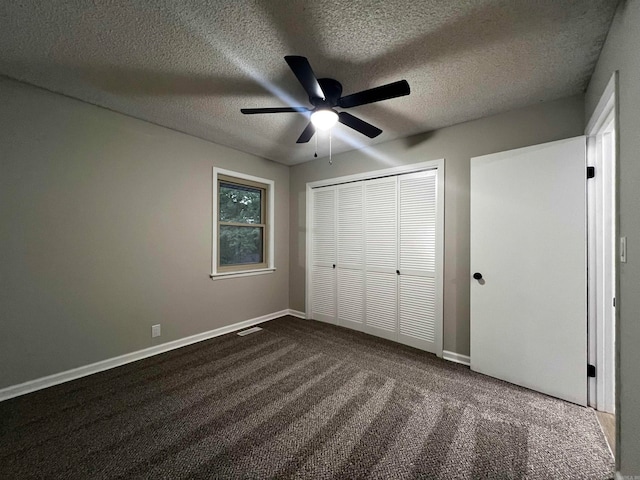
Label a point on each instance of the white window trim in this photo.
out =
(270, 268)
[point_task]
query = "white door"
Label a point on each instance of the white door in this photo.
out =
(528, 241)
(323, 275)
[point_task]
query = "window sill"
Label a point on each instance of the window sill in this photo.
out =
(244, 273)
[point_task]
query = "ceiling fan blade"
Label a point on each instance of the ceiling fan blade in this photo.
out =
(302, 70)
(385, 92)
(359, 125)
(307, 133)
(252, 111)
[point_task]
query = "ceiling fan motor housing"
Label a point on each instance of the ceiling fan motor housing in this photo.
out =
(332, 90)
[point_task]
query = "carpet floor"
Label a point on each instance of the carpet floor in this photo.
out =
(299, 399)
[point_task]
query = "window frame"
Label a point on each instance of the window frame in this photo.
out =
(267, 205)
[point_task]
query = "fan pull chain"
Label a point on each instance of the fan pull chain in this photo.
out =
(330, 160)
(315, 155)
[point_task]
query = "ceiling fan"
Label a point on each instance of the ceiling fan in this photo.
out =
(325, 96)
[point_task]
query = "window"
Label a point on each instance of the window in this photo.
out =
(243, 224)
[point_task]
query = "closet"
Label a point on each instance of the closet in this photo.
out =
(375, 257)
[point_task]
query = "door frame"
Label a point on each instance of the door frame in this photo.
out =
(603, 248)
(439, 165)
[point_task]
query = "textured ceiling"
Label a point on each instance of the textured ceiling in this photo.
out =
(191, 65)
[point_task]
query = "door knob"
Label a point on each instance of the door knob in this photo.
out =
(477, 276)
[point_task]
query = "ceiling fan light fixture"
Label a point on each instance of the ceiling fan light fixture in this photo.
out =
(324, 119)
(325, 95)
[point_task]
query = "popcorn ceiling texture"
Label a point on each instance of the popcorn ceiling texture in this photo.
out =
(191, 65)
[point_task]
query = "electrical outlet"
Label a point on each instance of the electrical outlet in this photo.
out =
(155, 331)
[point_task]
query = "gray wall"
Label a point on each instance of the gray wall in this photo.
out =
(540, 123)
(620, 53)
(105, 227)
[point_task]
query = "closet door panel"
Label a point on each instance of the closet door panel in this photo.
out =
(382, 304)
(418, 217)
(351, 225)
(323, 274)
(419, 324)
(381, 252)
(323, 284)
(351, 298)
(417, 297)
(381, 234)
(324, 226)
(350, 242)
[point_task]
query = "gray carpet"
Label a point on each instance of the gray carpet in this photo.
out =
(299, 399)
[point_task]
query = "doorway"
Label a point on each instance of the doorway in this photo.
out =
(604, 251)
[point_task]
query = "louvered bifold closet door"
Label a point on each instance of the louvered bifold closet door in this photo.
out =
(323, 274)
(381, 258)
(418, 322)
(350, 269)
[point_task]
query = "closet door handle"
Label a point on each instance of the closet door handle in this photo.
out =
(334, 265)
(397, 272)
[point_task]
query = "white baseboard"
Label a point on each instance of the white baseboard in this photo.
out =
(62, 377)
(297, 313)
(456, 357)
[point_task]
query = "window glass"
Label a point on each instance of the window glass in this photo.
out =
(240, 203)
(241, 245)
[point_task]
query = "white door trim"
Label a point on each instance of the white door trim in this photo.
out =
(438, 164)
(385, 172)
(602, 152)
